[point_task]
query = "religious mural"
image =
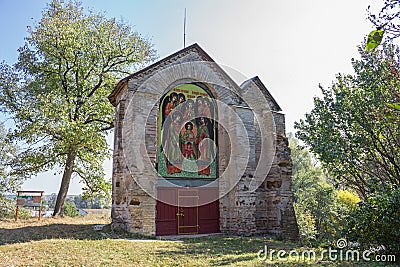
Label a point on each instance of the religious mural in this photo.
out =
(187, 130)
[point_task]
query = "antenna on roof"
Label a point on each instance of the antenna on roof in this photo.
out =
(184, 30)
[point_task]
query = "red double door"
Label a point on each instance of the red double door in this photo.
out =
(187, 211)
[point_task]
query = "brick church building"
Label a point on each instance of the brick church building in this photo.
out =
(194, 152)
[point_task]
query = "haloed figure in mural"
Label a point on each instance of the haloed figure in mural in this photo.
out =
(172, 144)
(203, 107)
(189, 114)
(204, 147)
(181, 99)
(171, 102)
(206, 111)
(188, 139)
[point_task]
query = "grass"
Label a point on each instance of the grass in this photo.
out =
(73, 242)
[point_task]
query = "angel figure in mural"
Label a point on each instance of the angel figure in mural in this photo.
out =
(188, 139)
(204, 147)
(203, 106)
(206, 108)
(199, 106)
(189, 114)
(171, 102)
(181, 99)
(171, 144)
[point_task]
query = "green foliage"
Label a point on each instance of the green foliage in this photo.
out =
(81, 203)
(306, 223)
(346, 202)
(98, 192)
(374, 39)
(9, 182)
(70, 209)
(319, 198)
(348, 199)
(353, 129)
(376, 222)
(52, 200)
(96, 202)
(395, 106)
(57, 91)
(321, 210)
(7, 208)
(387, 20)
(23, 213)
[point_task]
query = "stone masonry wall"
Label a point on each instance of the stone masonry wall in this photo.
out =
(274, 205)
(268, 209)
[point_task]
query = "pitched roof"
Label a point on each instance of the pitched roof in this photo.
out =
(119, 87)
(204, 56)
(257, 81)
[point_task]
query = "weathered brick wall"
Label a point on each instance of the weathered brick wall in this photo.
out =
(133, 209)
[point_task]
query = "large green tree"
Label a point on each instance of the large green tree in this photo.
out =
(354, 128)
(57, 91)
(9, 181)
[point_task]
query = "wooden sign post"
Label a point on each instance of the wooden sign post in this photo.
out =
(29, 199)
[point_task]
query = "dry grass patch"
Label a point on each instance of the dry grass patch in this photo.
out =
(73, 242)
(12, 231)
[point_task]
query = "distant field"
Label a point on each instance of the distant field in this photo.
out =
(73, 242)
(99, 211)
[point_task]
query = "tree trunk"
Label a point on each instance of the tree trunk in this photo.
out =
(62, 193)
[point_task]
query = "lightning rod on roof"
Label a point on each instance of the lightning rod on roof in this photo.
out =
(184, 30)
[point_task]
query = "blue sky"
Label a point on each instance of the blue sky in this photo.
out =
(291, 45)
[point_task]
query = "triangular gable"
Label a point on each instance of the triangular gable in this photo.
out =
(153, 67)
(255, 80)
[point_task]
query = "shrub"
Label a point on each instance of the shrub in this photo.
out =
(7, 209)
(348, 199)
(376, 222)
(306, 224)
(70, 209)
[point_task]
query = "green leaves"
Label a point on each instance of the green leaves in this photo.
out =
(9, 180)
(57, 91)
(376, 222)
(374, 39)
(320, 208)
(395, 106)
(354, 127)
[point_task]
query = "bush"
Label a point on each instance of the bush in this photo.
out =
(70, 209)
(321, 210)
(346, 202)
(7, 209)
(306, 224)
(376, 222)
(348, 199)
